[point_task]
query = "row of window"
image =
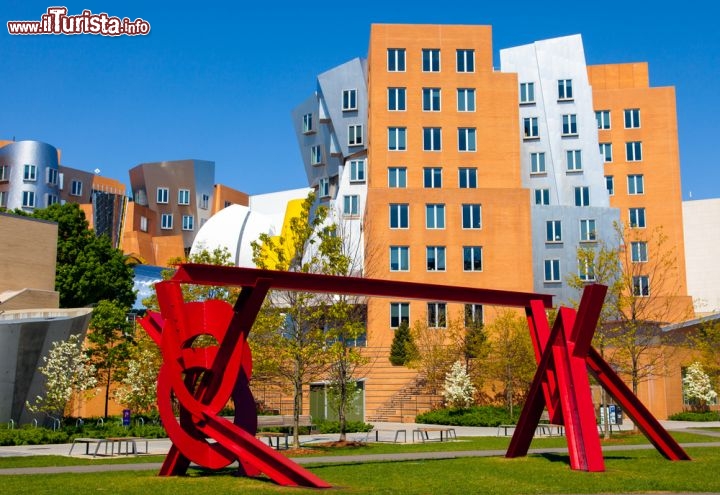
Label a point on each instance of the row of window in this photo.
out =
(586, 272)
(431, 99)
(633, 151)
(589, 233)
(435, 258)
(433, 177)
(30, 174)
(635, 184)
(569, 127)
(564, 91)
(631, 118)
(471, 215)
(436, 314)
(29, 199)
(464, 60)
(432, 138)
(166, 222)
(183, 197)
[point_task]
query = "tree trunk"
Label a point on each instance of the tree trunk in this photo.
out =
(297, 409)
(107, 392)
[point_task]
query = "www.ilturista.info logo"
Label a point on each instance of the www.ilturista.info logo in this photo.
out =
(57, 21)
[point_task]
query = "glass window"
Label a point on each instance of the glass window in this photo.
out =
(28, 199)
(308, 123)
(432, 139)
(466, 60)
(636, 184)
(324, 187)
(52, 176)
(610, 184)
(399, 313)
(4, 173)
(355, 135)
(574, 160)
(437, 314)
(183, 196)
(435, 216)
(396, 99)
(633, 151)
(530, 128)
(565, 91)
(166, 221)
(632, 118)
(204, 202)
(586, 270)
(639, 251)
(582, 196)
(188, 222)
(472, 258)
(552, 270)
(588, 233)
(396, 59)
(351, 205)
(603, 119)
(76, 187)
(542, 196)
(471, 216)
(637, 218)
(397, 177)
(51, 199)
(537, 162)
(474, 314)
(432, 177)
(349, 99)
(3, 199)
(399, 258)
(641, 286)
(357, 170)
(606, 152)
(569, 125)
(30, 172)
(527, 92)
(143, 224)
(466, 100)
(435, 258)
(431, 99)
(467, 178)
(431, 60)
(399, 216)
(396, 138)
(466, 139)
(162, 194)
(315, 155)
(553, 231)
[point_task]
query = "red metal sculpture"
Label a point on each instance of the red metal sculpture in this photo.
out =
(201, 380)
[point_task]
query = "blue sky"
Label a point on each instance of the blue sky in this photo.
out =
(217, 81)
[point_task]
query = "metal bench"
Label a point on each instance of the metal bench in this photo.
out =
(423, 434)
(389, 431)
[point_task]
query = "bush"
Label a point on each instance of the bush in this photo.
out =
(696, 416)
(334, 426)
(471, 416)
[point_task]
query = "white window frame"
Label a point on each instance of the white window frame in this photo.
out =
(397, 99)
(537, 163)
(324, 187)
(573, 160)
(403, 313)
(396, 215)
(551, 271)
(51, 199)
(76, 187)
(565, 90)
(635, 184)
(396, 60)
(606, 152)
(432, 177)
(30, 173)
(473, 260)
(542, 196)
(401, 255)
(588, 230)
(469, 212)
(166, 221)
(474, 313)
(632, 118)
(467, 178)
(438, 255)
(355, 135)
(641, 286)
(639, 251)
(610, 184)
(308, 123)
(349, 100)
(586, 270)
(465, 60)
(553, 228)
(397, 138)
(603, 119)
(183, 196)
(397, 177)
(357, 171)
(143, 224)
(582, 196)
(569, 125)
(432, 59)
(3, 199)
(431, 99)
(351, 205)
(162, 195)
(29, 199)
(188, 222)
(527, 93)
(205, 202)
(467, 139)
(466, 99)
(315, 155)
(633, 151)
(435, 216)
(637, 218)
(4, 173)
(437, 314)
(51, 176)
(432, 138)
(531, 129)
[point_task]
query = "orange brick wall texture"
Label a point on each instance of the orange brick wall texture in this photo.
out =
(505, 233)
(227, 194)
(626, 86)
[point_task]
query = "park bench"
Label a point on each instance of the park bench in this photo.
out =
(388, 431)
(280, 421)
(130, 444)
(423, 434)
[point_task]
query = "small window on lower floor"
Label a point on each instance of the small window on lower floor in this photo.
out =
(166, 221)
(437, 314)
(188, 222)
(552, 270)
(399, 313)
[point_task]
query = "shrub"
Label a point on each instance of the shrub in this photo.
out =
(334, 426)
(471, 416)
(696, 416)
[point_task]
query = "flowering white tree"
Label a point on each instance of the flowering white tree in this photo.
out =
(66, 369)
(459, 390)
(697, 387)
(139, 387)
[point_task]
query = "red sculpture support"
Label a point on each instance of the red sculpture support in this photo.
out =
(202, 380)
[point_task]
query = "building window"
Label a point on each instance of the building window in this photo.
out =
(396, 138)
(51, 199)
(399, 314)
(188, 222)
(467, 178)
(569, 125)
(527, 92)
(3, 199)
(435, 258)
(431, 60)
(637, 218)
(324, 187)
(399, 258)
(588, 233)
(466, 139)
(52, 176)
(28, 199)
(639, 251)
(163, 194)
(228, 203)
(396, 59)
(399, 216)
(204, 201)
(397, 177)
(308, 123)
(357, 170)
(472, 258)
(396, 99)
(565, 91)
(166, 221)
(636, 184)
(582, 196)
(432, 139)
(530, 128)
(553, 231)
(76, 187)
(574, 160)
(349, 99)
(603, 119)
(183, 196)
(30, 172)
(4, 173)
(542, 196)
(586, 270)
(641, 286)
(465, 61)
(552, 270)
(610, 184)
(632, 118)
(474, 315)
(465, 100)
(537, 163)
(355, 135)
(471, 216)
(431, 99)
(437, 314)
(351, 205)
(432, 177)
(315, 155)
(435, 216)
(606, 152)
(633, 151)
(143, 224)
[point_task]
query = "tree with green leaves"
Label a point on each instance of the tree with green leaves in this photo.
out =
(138, 389)
(706, 339)
(110, 339)
(698, 388)
(403, 347)
(88, 268)
(436, 350)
